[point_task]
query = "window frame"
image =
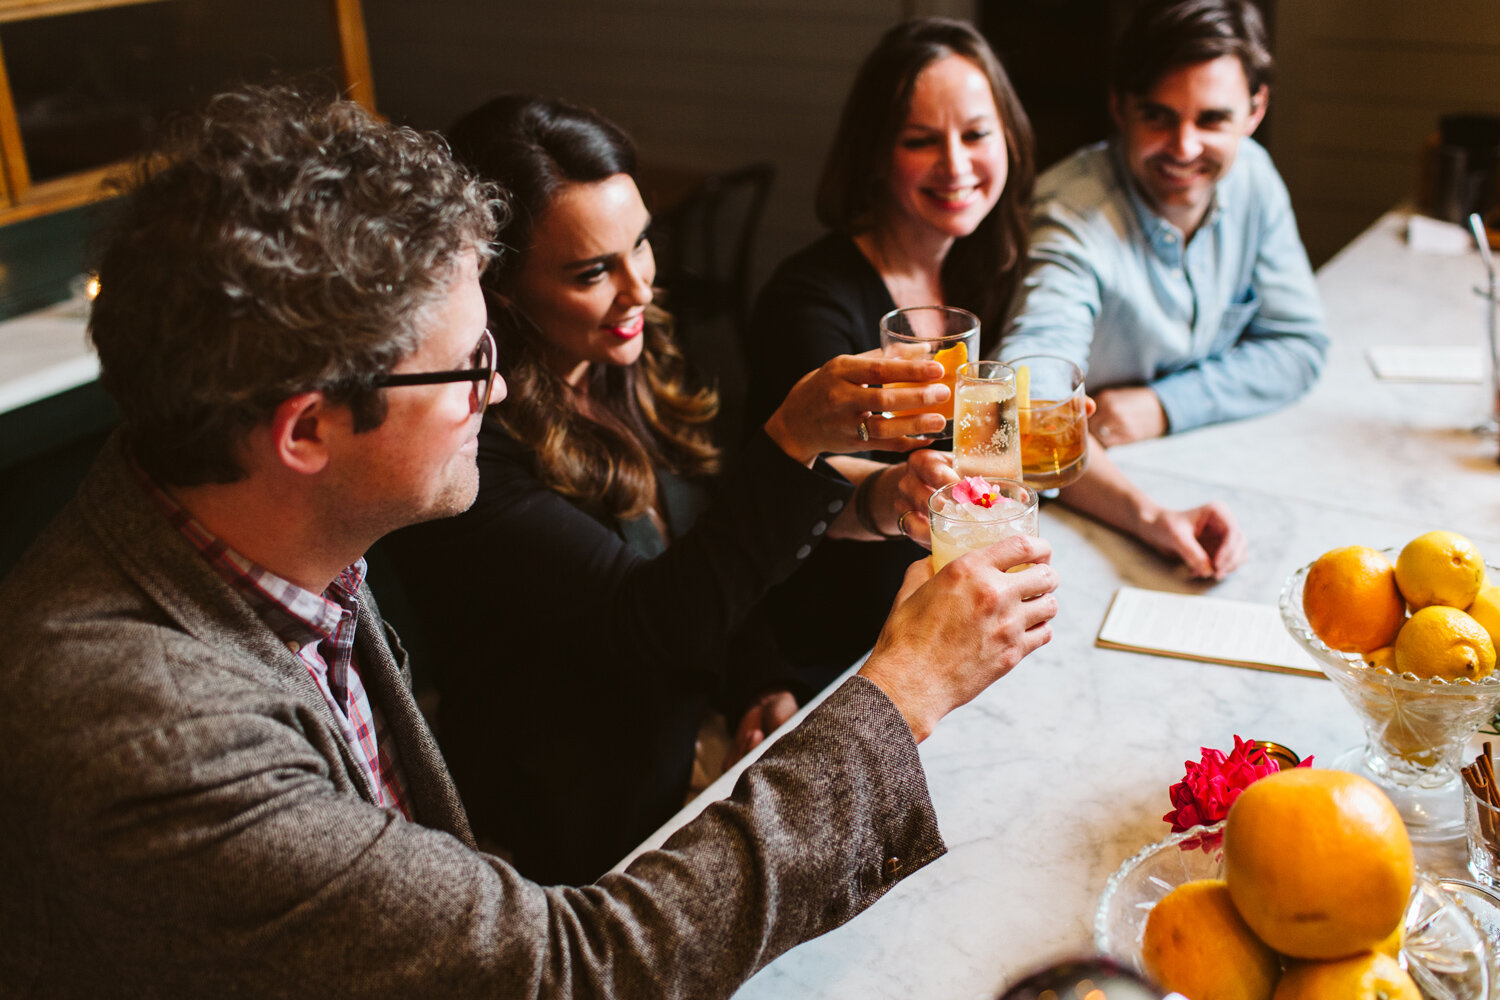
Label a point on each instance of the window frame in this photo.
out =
(20, 199)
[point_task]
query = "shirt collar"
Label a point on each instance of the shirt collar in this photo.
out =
(294, 614)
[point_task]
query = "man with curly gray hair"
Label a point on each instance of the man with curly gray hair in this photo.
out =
(215, 779)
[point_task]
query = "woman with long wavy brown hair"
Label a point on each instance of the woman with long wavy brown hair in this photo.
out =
(607, 553)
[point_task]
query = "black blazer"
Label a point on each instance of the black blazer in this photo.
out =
(577, 654)
(823, 301)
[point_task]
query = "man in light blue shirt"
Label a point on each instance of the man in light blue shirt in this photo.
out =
(1167, 264)
(1224, 327)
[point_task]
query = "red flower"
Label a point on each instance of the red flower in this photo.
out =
(977, 490)
(1209, 787)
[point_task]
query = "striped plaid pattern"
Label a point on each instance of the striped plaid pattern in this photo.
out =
(319, 628)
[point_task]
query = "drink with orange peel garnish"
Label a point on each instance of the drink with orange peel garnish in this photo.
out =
(947, 335)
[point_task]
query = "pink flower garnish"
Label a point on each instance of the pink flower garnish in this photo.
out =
(977, 491)
(1210, 786)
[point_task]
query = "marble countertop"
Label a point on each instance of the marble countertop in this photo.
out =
(1059, 772)
(44, 353)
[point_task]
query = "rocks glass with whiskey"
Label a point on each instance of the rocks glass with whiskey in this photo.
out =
(1051, 410)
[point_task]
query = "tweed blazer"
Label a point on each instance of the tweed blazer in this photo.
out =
(180, 816)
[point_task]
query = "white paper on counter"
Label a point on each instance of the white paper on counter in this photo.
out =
(1236, 633)
(1399, 363)
(1435, 236)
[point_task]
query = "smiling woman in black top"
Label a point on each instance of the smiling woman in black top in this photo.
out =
(925, 191)
(621, 567)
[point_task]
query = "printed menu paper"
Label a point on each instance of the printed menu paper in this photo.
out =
(1236, 633)
(1401, 363)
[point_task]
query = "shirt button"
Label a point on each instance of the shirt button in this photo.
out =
(294, 646)
(893, 867)
(819, 528)
(834, 506)
(804, 552)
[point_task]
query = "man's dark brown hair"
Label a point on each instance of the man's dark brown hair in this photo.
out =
(1163, 35)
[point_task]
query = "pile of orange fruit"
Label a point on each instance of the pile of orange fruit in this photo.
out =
(1434, 613)
(1318, 870)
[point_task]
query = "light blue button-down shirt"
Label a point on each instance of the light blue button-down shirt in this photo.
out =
(1225, 327)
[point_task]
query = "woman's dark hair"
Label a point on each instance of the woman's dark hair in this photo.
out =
(981, 270)
(1165, 34)
(600, 446)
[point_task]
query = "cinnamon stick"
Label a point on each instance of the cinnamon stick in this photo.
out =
(1480, 777)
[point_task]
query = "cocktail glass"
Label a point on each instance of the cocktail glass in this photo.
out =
(946, 335)
(986, 438)
(1416, 728)
(1053, 419)
(958, 527)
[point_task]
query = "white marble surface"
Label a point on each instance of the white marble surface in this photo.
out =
(1060, 771)
(1354, 442)
(44, 353)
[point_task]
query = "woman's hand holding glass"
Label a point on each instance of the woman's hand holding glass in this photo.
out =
(888, 494)
(848, 405)
(926, 472)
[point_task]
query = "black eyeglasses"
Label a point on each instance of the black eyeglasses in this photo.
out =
(482, 374)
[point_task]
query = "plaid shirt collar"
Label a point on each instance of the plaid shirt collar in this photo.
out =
(296, 616)
(319, 629)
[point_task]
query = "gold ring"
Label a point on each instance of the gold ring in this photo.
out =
(901, 522)
(864, 431)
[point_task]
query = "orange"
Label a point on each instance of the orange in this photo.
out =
(1371, 976)
(1196, 943)
(1445, 642)
(1392, 945)
(1318, 862)
(1351, 600)
(952, 359)
(1440, 567)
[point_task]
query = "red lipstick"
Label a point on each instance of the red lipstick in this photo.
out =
(631, 329)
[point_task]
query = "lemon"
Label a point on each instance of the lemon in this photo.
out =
(1486, 611)
(1410, 733)
(1371, 976)
(1439, 567)
(1385, 657)
(1444, 642)
(1197, 944)
(1351, 601)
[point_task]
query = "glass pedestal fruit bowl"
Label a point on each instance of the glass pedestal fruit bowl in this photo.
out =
(1415, 728)
(1441, 949)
